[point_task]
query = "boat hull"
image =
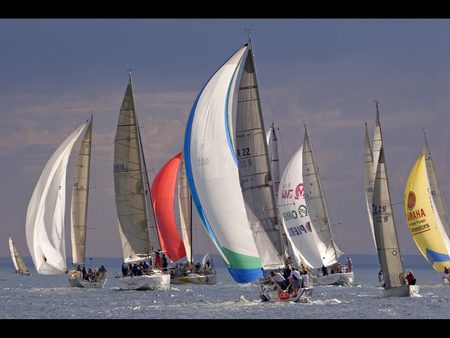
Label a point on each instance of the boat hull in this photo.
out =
(346, 278)
(446, 280)
(76, 280)
(303, 296)
(159, 282)
(402, 291)
(195, 279)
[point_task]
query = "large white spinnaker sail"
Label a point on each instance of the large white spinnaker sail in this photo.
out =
(46, 210)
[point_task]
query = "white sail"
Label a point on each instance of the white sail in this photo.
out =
(294, 214)
(212, 172)
(80, 193)
(20, 266)
(137, 224)
(317, 209)
(369, 178)
(45, 213)
(254, 169)
(272, 142)
(185, 208)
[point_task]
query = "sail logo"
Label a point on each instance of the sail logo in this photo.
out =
(301, 212)
(411, 200)
(299, 192)
(300, 229)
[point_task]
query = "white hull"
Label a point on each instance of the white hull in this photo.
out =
(76, 280)
(195, 279)
(446, 280)
(144, 282)
(303, 296)
(402, 291)
(346, 278)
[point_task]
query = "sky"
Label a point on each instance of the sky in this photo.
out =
(325, 72)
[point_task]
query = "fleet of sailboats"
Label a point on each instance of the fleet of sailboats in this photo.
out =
(426, 213)
(229, 171)
(381, 217)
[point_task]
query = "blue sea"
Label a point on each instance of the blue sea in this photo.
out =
(50, 297)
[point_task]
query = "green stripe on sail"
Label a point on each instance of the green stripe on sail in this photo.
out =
(240, 261)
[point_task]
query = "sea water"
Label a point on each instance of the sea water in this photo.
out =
(50, 297)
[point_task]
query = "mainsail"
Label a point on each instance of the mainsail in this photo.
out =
(46, 210)
(212, 172)
(426, 213)
(384, 229)
(80, 193)
(137, 225)
(254, 169)
(163, 193)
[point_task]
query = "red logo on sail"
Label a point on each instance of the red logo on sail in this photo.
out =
(411, 200)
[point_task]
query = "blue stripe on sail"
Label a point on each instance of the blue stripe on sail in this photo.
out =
(434, 256)
(245, 276)
(188, 165)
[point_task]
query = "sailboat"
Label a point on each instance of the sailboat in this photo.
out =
(426, 213)
(245, 229)
(45, 214)
(141, 247)
(309, 226)
(176, 246)
(382, 218)
(78, 213)
(21, 268)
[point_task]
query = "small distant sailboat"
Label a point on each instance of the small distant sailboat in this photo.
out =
(78, 213)
(45, 214)
(141, 246)
(426, 213)
(21, 268)
(176, 247)
(382, 218)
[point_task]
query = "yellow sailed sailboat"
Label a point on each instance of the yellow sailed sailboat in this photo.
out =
(426, 213)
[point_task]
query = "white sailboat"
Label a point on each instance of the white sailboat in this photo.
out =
(46, 209)
(426, 214)
(137, 225)
(384, 231)
(176, 246)
(78, 213)
(21, 268)
(308, 224)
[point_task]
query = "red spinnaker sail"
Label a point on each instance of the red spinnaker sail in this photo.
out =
(163, 193)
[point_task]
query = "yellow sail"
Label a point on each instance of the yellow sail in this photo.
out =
(425, 226)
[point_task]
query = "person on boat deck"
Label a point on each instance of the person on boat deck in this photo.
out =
(305, 279)
(349, 264)
(78, 268)
(295, 279)
(157, 259)
(164, 262)
(446, 271)
(279, 279)
(410, 278)
(324, 270)
(124, 270)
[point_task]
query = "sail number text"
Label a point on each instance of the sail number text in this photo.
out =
(379, 209)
